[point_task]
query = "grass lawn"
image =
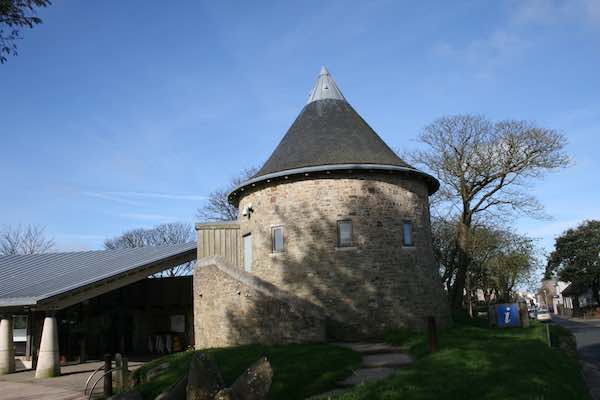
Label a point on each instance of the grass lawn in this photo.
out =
(299, 371)
(476, 362)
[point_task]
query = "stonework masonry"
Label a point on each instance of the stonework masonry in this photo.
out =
(330, 170)
(235, 308)
(375, 285)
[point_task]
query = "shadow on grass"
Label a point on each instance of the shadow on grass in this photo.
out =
(299, 371)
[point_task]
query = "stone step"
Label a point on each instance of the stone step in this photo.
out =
(329, 395)
(390, 360)
(370, 348)
(366, 375)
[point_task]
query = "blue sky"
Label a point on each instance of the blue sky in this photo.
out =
(117, 115)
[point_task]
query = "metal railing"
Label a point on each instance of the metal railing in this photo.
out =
(110, 371)
(119, 364)
(89, 379)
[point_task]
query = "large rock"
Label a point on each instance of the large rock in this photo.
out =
(176, 391)
(204, 382)
(255, 382)
(129, 395)
(226, 394)
(155, 371)
(204, 379)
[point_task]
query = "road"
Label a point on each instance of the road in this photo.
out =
(587, 333)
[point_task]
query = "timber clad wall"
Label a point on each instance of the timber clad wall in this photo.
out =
(222, 240)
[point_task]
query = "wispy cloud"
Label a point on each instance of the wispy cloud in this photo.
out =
(554, 228)
(167, 196)
(546, 12)
(148, 217)
(109, 197)
(81, 236)
(486, 52)
(592, 11)
(510, 40)
(133, 198)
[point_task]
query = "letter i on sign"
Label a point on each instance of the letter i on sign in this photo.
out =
(507, 316)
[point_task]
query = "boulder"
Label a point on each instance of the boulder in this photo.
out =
(176, 391)
(128, 395)
(155, 371)
(255, 382)
(204, 380)
(226, 394)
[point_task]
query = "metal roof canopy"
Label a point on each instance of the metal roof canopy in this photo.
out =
(54, 281)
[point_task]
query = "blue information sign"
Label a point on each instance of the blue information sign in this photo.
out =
(507, 315)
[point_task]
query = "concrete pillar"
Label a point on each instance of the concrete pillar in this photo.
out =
(7, 347)
(48, 363)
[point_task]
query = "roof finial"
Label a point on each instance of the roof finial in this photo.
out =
(325, 88)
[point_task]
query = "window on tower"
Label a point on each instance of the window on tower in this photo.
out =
(407, 234)
(344, 233)
(277, 239)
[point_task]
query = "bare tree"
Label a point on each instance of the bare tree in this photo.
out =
(485, 169)
(30, 239)
(443, 232)
(170, 233)
(14, 16)
(217, 207)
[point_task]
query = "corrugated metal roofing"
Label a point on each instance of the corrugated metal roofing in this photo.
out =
(27, 279)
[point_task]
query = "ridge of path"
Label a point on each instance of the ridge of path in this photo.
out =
(379, 360)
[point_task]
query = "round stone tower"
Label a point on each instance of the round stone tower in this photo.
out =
(336, 217)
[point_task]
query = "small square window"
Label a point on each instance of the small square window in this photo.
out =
(407, 239)
(277, 239)
(344, 233)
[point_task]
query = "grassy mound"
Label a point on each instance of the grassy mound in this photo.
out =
(299, 370)
(477, 362)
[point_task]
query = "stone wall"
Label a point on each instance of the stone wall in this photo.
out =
(233, 308)
(375, 285)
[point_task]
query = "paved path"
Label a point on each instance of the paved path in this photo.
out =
(68, 386)
(587, 333)
(29, 391)
(379, 360)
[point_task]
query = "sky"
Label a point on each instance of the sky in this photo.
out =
(124, 114)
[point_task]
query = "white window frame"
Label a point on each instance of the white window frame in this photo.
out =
(339, 231)
(411, 242)
(273, 242)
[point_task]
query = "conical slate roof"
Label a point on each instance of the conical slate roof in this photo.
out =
(328, 136)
